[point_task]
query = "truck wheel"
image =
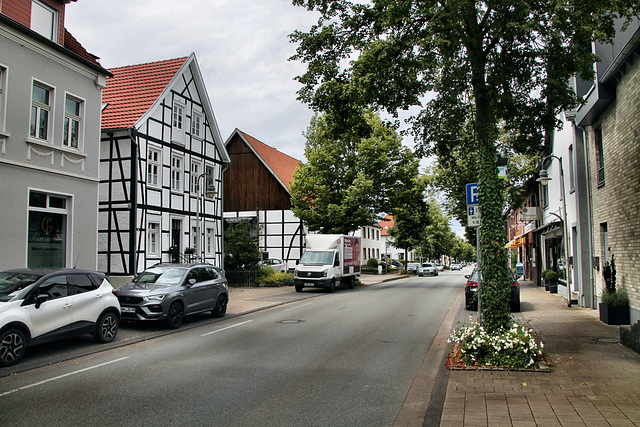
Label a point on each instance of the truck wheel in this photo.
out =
(332, 286)
(298, 288)
(351, 283)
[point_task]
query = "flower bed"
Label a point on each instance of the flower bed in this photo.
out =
(513, 348)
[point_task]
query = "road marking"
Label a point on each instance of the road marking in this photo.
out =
(297, 307)
(224, 329)
(62, 376)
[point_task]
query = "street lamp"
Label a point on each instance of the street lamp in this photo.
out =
(210, 192)
(544, 179)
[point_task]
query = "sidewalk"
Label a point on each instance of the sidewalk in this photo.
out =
(594, 380)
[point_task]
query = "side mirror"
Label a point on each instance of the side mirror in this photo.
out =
(40, 299)
(191, 282)
(467, 276)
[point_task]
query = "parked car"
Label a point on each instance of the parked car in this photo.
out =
(456, 267)
(471, 290)
(440, 267)
(427, 269)
(40, 305)
(413, 266)
(277, 264)
(396, 263)
(168, 292)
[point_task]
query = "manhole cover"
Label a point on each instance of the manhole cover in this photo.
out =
(291, 321)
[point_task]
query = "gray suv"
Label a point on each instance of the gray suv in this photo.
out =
(168, 292)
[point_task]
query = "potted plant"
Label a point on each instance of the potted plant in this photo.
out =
(614, 308)
(551, 281)
(544, 277)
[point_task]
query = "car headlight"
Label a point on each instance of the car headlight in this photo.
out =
(156, 297)
(295, 273)
(324, 273)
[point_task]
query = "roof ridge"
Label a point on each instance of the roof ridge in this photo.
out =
(161, 61)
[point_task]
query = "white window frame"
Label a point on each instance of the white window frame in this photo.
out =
(68, 116)
(153, 238)
(176, 173)
(39, 108)
(209, 170)
(195, 173)
(178, 121)
(196, 124)
(4, 76)
(41, 16)
(154, 166)
(209, 241)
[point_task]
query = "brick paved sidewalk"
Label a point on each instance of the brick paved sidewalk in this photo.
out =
(595, 380)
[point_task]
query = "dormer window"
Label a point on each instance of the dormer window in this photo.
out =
(44, 20)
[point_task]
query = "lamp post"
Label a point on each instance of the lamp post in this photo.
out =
(210, 192)
(544, 179)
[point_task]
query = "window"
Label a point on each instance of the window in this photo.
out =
(196, 125)
(81, 283)
(54, 287)
(209, 171)
(572, 184)
(176, 173)
(195, 174)
(194, 237)
(47, 236)
(72, 111)
(41, 100)
(597, 136)
(177, 122)
(44, 20)
(3, 90)
(153, 238)
(153, 166)
(209, 242)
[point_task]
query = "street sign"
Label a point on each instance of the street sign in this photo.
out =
(472, 194)
(473, 216)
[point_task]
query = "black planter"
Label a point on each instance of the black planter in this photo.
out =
(614, 314)
(551, 285)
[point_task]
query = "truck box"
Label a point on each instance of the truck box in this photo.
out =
(328, 260)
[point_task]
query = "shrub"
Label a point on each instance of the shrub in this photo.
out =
(513, 347)
(278, 279)
(372, 263)
(618, 298)
(551, 275)
(264, 271)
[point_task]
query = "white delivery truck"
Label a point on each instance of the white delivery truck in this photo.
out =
(328, 259)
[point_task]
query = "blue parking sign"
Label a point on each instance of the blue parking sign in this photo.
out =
(472, 194)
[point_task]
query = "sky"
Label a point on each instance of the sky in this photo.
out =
(242, 48)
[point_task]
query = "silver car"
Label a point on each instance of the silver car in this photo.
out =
(168, 292)
(427, 269)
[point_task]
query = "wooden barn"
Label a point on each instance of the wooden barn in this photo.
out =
(256, 188)
(161, 172)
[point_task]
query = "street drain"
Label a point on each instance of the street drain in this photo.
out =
(604, 340)
(287, 321)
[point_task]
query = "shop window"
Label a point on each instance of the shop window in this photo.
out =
(47, 236)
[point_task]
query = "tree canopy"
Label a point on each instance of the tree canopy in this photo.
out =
(350, 176)
(498, 63)
(241, 252)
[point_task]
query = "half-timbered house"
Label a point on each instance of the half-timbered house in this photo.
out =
(257, 189)
(161, 175)
(50, 102)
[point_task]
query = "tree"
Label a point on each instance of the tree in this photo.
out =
(438, 236)
(499, 63)
(351, 175)
(240, 250)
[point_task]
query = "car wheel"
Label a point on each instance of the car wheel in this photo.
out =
(12, 347)
(106, 328)
(174, 316)
(351, 282)
(332, 286)
(298, 288)
(221, 307)
(515, 306)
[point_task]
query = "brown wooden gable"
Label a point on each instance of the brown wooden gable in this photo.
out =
(248, 184)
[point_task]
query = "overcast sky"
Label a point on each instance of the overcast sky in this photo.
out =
(242, 48)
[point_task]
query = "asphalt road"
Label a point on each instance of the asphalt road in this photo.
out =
(347, 358)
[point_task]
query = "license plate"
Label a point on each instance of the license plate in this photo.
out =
(309, 284)
(128, 309)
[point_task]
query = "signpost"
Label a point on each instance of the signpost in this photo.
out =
(472, 194)
(473, 216)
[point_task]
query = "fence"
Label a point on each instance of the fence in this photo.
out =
(242, 278)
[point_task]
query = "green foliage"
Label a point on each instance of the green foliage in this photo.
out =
(264, 271)
(617, 298)
(609, 275)
(277, 279)
(241, 251)
(511, 347)
(351, 175)
(551, 275)
(372, 263)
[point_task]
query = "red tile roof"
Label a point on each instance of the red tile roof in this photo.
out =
(386, 224)
(74, 46)
(282, 165)
(133, 89)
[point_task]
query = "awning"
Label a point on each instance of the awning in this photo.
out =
(548, 227)
(515, 243)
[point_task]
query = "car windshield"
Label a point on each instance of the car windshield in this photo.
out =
(426, 264)
(12, 283)
(317, 258)
(161, 276)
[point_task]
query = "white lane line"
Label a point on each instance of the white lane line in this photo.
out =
(297, 307)
(224, 329)
(62, 376)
